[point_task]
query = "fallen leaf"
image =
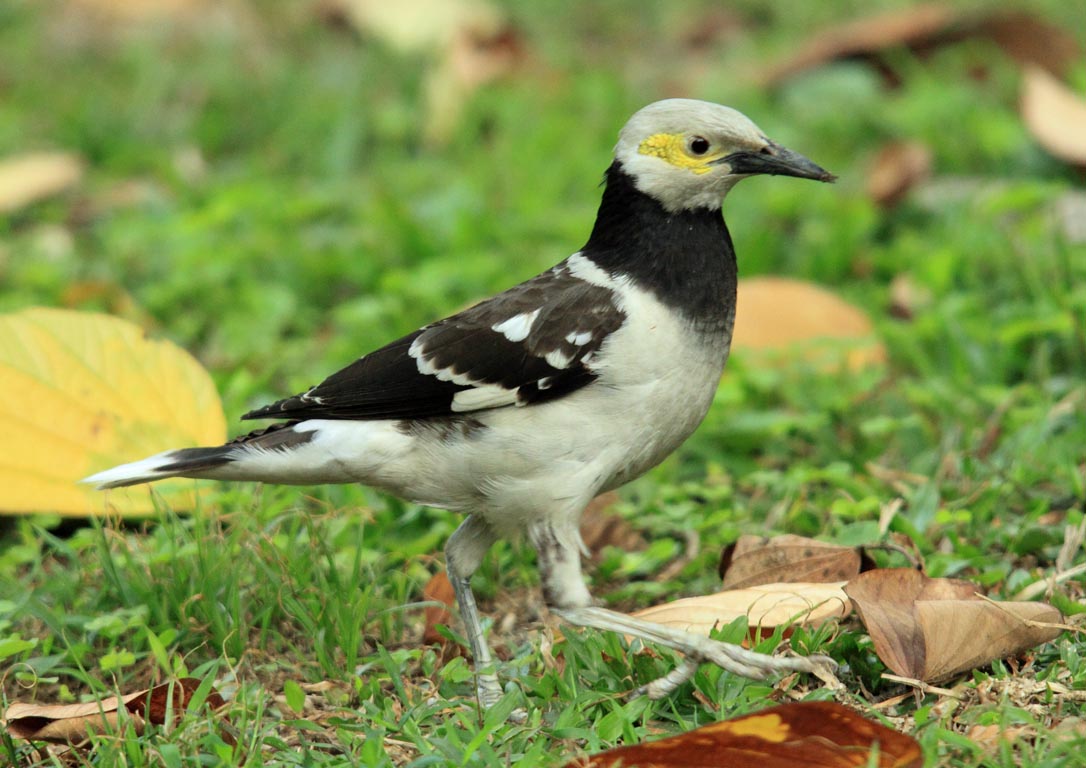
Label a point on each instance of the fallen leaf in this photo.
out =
(438, 590)
(780, 317)
(923, 28)
(933, 629)
(897, 168)
(1055, 115)
(80, 392)
(467, 43)
(811, 734)
(74, 723)
(30, 178)
(1031, 41)
(766, 607)
(600, 528)
(992, 737)
(754, 560)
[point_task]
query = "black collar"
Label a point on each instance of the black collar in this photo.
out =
(685, 259)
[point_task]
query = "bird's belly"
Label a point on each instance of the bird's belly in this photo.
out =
(655, 383)
(552, 458)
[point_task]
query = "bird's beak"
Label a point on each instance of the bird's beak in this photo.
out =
(775, 160)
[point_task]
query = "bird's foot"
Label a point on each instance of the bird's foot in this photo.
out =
(740, 661)
(698, 649)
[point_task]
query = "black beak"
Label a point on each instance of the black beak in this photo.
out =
(775, 160)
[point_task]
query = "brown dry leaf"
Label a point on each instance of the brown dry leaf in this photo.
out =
(932, 629)
(812, 734)
(766, 607)
(600, 528)
(992, 737)
(754, 560)
(438, 590)
(779, 317)
(1055, 115)
(898, 167)
(73, 723)
(469, 43)
(922, 28)
(80, 392)
(27, 179)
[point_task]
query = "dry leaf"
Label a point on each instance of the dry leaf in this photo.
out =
(438, 590)
(898, 167)
(754, 560)
(932, 629)
(766, 607)
(811, 734)
(80, 392)
(992, 737)
(1055, 115)
(73, 723)
(600, 528)
(27, 179)
(778, 317)
(923, 28)
(469, 43)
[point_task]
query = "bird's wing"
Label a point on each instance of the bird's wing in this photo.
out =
(534, 342)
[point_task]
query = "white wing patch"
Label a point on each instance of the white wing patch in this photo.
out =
(426, 368)
(579, 338)
(517, 327)
(558, 359)
(485, 396)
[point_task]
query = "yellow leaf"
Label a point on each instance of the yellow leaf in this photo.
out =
(780, 320)
(81, 392)
(26, 179)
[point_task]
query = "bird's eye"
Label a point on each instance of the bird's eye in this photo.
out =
(765, 151)
(699, 145)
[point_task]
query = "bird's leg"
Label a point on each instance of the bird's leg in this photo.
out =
(567, 596)
(464, 551)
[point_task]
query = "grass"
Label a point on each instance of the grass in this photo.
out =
(292, 216)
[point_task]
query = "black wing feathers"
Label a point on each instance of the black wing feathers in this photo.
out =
(557, 322)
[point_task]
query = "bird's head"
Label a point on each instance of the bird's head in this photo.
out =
(687, 154)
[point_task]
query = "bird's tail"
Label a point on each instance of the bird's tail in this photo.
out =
(250, 457)
(185, 462)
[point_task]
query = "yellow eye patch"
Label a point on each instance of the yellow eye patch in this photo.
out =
(672, 147)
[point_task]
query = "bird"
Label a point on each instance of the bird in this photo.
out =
(522, 408)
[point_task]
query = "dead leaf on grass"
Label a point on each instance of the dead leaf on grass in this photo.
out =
(779, 318)
(74, 723)
(1055, 115)
(80, 392)
(923, 28)
(766, 607)
(600, 528)
(814, 734)
(467, 42)
(30, 178)
(992, 737)
(439, 592)
(754, 560)
(898, 167)
(933, 629)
